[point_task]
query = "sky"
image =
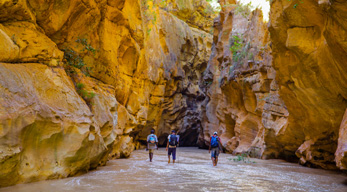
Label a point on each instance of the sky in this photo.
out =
(265, 6)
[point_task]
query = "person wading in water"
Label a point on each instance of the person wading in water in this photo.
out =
(152, 143)
(214, 148)
(172, 143)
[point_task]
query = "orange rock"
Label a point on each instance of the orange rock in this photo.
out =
(341, 151)
(307, 39)
(144, 63)
(243, 105)
(47, 130)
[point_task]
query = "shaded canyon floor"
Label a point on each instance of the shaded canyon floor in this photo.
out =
(193, 172)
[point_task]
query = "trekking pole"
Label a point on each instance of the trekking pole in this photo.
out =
(178, 137)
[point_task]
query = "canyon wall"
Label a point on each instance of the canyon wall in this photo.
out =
(309, 50)
(85, 81)
(278, 90)
(82, 82)
(243, 103)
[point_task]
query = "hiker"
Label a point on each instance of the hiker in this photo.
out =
(214, 148)
(152, 143)
(172, 143)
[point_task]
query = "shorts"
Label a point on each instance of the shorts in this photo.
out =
(214, 152)
(150, 150)
(173, 151)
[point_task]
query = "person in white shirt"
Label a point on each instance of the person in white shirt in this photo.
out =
(152, 143)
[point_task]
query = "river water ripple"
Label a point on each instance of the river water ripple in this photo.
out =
(193, 172)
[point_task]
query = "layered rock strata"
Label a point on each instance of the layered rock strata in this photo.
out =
(243, 104)
(280, 95)
(309, 54)
(130, 66)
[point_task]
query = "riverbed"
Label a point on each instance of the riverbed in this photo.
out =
(193, 171)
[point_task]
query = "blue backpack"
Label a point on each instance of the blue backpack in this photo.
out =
(151, 139)
(214, 142)
(173, 140)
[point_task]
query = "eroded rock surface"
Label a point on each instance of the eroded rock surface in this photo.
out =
(243, 103)
(309, 54)
(139, 63)
(281, 95)
(341, 151)
(47, 130)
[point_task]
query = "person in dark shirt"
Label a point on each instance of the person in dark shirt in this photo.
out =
(214, 148)
(172, 143)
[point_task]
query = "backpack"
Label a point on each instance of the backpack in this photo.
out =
(151, 139)
(214, 142)
(173, 140)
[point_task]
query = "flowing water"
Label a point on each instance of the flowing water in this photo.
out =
(193, 171)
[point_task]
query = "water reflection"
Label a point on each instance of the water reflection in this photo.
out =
(193, 172)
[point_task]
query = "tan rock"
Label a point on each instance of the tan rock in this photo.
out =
(145, 70)
(289, 106)
(307, 39)
(9, 48)
(243, 102)
(53, 134)
(29, 44)
(341, 151)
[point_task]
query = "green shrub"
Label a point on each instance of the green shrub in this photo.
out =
(297, 3)
(74, 59)
(80, 85)
(86, 95)
(243, 157)
(236, 45)
(250, 56)
(244, 9)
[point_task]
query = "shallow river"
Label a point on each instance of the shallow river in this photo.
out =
(193, 172)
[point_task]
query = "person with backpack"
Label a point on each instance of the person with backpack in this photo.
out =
(214, 148)
(172, 143)
(152, 143)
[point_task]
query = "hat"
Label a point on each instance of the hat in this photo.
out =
(173, 131)
(152, 131)
(215, 133)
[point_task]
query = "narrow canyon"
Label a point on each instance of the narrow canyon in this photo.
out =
(84, 82)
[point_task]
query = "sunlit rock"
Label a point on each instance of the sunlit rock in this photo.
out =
(243, 103)
(47, 130)
(341, 151)
(309, 57)
(130, 66)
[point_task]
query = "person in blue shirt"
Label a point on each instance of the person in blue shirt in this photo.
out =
(214, 148)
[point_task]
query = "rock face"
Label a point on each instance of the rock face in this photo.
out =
(82, 82)
(341, 152)
(243, 103)
(130, 66)
(280, 95)
(309, 54)
(47, 130)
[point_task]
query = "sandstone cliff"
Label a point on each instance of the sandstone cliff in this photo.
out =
(83, 81)
(280, 95)
(243, 104)
(309, 51)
